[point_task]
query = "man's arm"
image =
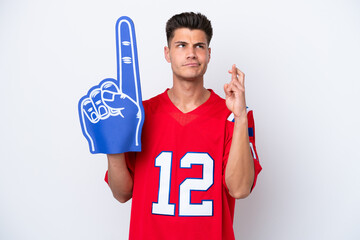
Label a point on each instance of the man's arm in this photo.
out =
(119, 177)
(239, 173)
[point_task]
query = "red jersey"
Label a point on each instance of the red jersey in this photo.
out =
(179, 188)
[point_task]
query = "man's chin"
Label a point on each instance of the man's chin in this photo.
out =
(190, 75)
(192, 78)
(193, 75)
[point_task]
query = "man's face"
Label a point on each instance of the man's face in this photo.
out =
(189, 54)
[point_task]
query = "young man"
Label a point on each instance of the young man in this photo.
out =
(195, 162)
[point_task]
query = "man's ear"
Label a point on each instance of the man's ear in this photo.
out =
(209, 54)
(167, 53)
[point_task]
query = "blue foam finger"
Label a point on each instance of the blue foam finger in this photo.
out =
(111, 114)
(127, 64)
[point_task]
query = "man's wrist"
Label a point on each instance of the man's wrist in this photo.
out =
(242, 116)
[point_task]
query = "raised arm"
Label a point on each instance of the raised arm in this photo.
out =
(119, 177)
(239, 173)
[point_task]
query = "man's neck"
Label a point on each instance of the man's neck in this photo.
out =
(188, 95)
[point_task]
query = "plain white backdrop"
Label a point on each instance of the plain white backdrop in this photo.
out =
(301, 60)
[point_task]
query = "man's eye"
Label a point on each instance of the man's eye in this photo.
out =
(200, 46)
(181, 45)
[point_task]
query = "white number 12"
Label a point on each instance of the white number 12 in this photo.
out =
(186, 208)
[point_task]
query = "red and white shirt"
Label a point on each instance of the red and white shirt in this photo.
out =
(179, 188)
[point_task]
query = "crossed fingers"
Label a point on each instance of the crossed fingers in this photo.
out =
(236, 84)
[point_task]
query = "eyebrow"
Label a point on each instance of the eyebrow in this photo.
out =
(196, 44)
(200, 44)
(180, 42)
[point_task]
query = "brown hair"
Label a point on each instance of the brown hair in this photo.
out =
(189, 20)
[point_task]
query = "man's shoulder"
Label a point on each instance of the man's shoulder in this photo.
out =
(218, 103)
(216, 99)
(155, 101)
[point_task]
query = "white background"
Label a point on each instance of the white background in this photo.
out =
(301, 60)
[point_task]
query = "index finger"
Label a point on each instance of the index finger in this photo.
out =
(237, 74)
(127, 64)
(234, 72)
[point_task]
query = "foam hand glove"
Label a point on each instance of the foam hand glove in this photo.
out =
(111, 114)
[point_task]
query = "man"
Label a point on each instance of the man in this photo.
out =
(194, 162)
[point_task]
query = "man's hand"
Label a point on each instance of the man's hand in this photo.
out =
(235, 93)
(239, 173)
(111, 114)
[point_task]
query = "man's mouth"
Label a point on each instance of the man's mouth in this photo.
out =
(191, 64)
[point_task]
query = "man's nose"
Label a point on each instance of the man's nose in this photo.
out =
(191, 53)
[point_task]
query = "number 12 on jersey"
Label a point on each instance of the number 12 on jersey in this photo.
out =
(186, 208)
